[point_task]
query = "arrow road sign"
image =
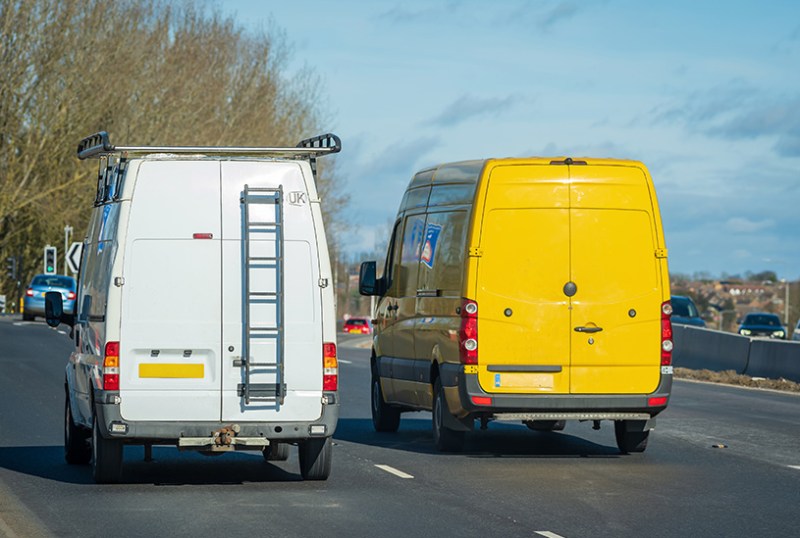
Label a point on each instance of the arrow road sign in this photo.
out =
(74, 257)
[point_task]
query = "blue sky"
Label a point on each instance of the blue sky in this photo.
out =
(705, 93)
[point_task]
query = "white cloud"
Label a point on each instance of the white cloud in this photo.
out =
(744, 225)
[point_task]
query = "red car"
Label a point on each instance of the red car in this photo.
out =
(357, 326)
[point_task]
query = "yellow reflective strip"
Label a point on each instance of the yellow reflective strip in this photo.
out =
(172, 370)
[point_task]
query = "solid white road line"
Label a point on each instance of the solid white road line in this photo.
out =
(393, 471)
(548, 534)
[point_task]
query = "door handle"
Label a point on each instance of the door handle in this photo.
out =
(588, 329)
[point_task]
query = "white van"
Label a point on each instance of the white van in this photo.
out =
(205, 316)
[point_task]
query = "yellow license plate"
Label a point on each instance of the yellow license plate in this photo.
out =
(172, 371)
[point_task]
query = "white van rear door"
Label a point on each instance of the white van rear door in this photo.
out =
(170, 330)
(301, 356)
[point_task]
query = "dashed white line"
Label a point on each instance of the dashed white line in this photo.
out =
(795, 467)
(345, 362)
(548, 534)
(393, 471)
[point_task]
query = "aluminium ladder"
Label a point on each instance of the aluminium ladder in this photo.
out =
(266, 229)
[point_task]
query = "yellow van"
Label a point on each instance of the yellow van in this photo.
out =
(530, 290)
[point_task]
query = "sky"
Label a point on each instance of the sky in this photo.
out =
(705, 93)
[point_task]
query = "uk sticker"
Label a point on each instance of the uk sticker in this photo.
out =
(666, 370)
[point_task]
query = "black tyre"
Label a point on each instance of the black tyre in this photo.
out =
(630, 441)
(28, 317)
(315, 458)
(445, 439)
(385, 418)
(276, 451)
(77, 450)
(106, 457)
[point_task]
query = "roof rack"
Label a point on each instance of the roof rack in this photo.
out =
(99, 145)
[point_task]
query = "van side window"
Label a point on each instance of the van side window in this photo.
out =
(413, 235)
(443, 252)
(452, 195)
(393, 255)
(415, 198)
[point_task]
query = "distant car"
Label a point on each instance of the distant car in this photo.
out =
(796, 333)
(685, 312)
(762, 324)
(33, 303)
(357, 326)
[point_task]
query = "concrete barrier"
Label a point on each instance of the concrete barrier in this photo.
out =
(698, 348)
(774, 359)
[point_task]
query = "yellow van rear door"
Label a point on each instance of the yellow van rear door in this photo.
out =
(616, 307)
(523, 264)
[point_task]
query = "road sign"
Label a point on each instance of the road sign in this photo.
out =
(74, 257)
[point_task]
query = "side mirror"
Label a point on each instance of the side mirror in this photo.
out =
(54, 310)
(368, 282)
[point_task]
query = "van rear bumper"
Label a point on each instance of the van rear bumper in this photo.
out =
(165, 432)
(462, 390)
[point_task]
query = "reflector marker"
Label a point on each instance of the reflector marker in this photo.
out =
(393, 471)
(548, 534)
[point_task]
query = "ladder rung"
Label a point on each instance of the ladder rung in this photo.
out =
(263, 294)
(264, 258)
(259, 224)
(264, 328)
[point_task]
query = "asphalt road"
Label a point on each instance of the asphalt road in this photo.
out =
(509, 482)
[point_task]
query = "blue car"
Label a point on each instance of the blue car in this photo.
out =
(685, 312)
(33, 303)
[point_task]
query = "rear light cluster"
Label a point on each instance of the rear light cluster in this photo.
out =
(666, 334)
(111, 366)
(70, 296)
(330, 367)
(29, 292)
(468, 333)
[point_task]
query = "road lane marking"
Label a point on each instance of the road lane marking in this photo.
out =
(393, 471)
(345, 362)
(548, 534)
(795, 467)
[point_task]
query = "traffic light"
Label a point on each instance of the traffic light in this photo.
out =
(12, 267)
(50, 260)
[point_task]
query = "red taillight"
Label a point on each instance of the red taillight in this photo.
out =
(111, 366)
(70, 296)
(330, 367)
(481, 400)
(29, 292)
(666, 334)
(657, 401)
(468, 333)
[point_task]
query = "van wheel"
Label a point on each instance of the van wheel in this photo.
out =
(385, 418)
(28, 317)
(276, 451)
(315, 458)
(106, 457)
(630, 441)
(77, 450)
(445, 439)
(546, 425)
